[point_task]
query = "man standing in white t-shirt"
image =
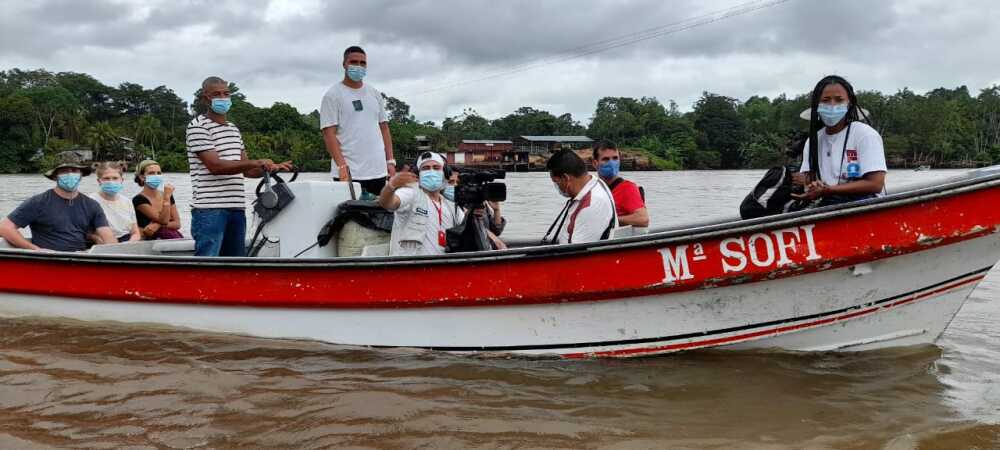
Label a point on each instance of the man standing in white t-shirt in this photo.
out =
(589, 214)
(356, 127)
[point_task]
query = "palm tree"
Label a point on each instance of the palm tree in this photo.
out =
(101, 138)
(146, 130)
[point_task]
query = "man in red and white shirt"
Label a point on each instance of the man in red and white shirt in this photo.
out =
(589, 214)
(629, 202)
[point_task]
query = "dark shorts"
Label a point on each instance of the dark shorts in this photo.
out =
(373, 186)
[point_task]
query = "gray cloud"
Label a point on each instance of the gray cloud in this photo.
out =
(423, 45)
(485, 33)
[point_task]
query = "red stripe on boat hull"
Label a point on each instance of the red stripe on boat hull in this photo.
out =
(772, 331)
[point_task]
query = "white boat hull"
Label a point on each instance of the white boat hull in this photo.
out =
(902, 300)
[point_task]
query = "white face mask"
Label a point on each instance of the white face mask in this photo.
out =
(564, 194)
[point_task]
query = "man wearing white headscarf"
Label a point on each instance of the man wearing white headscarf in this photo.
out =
(422, 214)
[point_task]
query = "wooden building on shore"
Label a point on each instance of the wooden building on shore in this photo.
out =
(541, 145)
(520, 154)
(480, 152)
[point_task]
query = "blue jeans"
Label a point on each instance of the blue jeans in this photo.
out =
(219, 232)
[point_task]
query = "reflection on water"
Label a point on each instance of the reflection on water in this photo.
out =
(72, 384)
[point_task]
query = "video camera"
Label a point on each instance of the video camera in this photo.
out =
(477, 186)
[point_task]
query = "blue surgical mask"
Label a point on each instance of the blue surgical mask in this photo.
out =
(609, 169)
(68, 181)
(111, 187)
(431, 180)
(154, 181)
(449, 193)
(221, 105)
(832, 114)
(356, 73)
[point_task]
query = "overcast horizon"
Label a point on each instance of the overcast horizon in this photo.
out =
(430, 53)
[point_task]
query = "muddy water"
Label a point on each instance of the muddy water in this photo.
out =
(72, 384)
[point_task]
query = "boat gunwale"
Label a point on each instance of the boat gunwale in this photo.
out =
(661, 238)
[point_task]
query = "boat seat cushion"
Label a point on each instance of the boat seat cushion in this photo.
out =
(174, 246)
(375, 250)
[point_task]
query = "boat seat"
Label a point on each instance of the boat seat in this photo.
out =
(375, 250)
(174, 246)
(622, 232)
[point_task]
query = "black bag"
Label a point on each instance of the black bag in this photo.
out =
(366, 213)
(772, 195)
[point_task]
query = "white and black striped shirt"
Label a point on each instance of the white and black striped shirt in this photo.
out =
(214, 191)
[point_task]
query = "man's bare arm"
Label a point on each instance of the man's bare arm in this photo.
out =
(8, 231)
(387, 142)
(638, 218)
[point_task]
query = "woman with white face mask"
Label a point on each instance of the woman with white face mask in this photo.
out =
(844, 159)
(118, 210)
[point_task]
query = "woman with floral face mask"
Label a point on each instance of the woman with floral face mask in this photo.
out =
(118, 210)
(155, 210)
(844, 159)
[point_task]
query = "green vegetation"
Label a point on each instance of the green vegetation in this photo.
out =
(43, 113)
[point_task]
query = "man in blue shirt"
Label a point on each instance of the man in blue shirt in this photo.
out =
(60, 218)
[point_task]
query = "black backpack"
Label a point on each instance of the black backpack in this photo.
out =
(772, 195)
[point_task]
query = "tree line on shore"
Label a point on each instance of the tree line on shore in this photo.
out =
(43, 113)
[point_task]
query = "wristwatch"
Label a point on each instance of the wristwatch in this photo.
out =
(390, 161)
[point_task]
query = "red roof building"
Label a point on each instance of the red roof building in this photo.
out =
(480, 152)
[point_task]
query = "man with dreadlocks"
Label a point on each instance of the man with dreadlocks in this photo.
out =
(843, 160)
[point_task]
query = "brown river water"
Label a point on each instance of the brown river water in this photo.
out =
(67, 384)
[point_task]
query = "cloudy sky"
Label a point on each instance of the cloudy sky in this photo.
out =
(442, 56)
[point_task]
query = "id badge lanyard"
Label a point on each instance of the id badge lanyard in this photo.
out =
(442, 240)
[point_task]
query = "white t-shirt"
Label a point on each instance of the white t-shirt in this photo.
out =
(411, 203)
(864, 147)
(592, 210)
(120, 213)
(357, 114)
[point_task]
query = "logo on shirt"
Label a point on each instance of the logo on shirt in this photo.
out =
(421, 212)
(358, 106)
(852, 155)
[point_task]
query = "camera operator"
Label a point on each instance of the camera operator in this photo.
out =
(476, 188)
(489, 214)
(422, 214)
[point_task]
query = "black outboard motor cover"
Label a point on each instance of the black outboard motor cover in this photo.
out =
(366, 213)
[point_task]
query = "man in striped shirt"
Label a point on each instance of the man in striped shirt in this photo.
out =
(218, 162)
